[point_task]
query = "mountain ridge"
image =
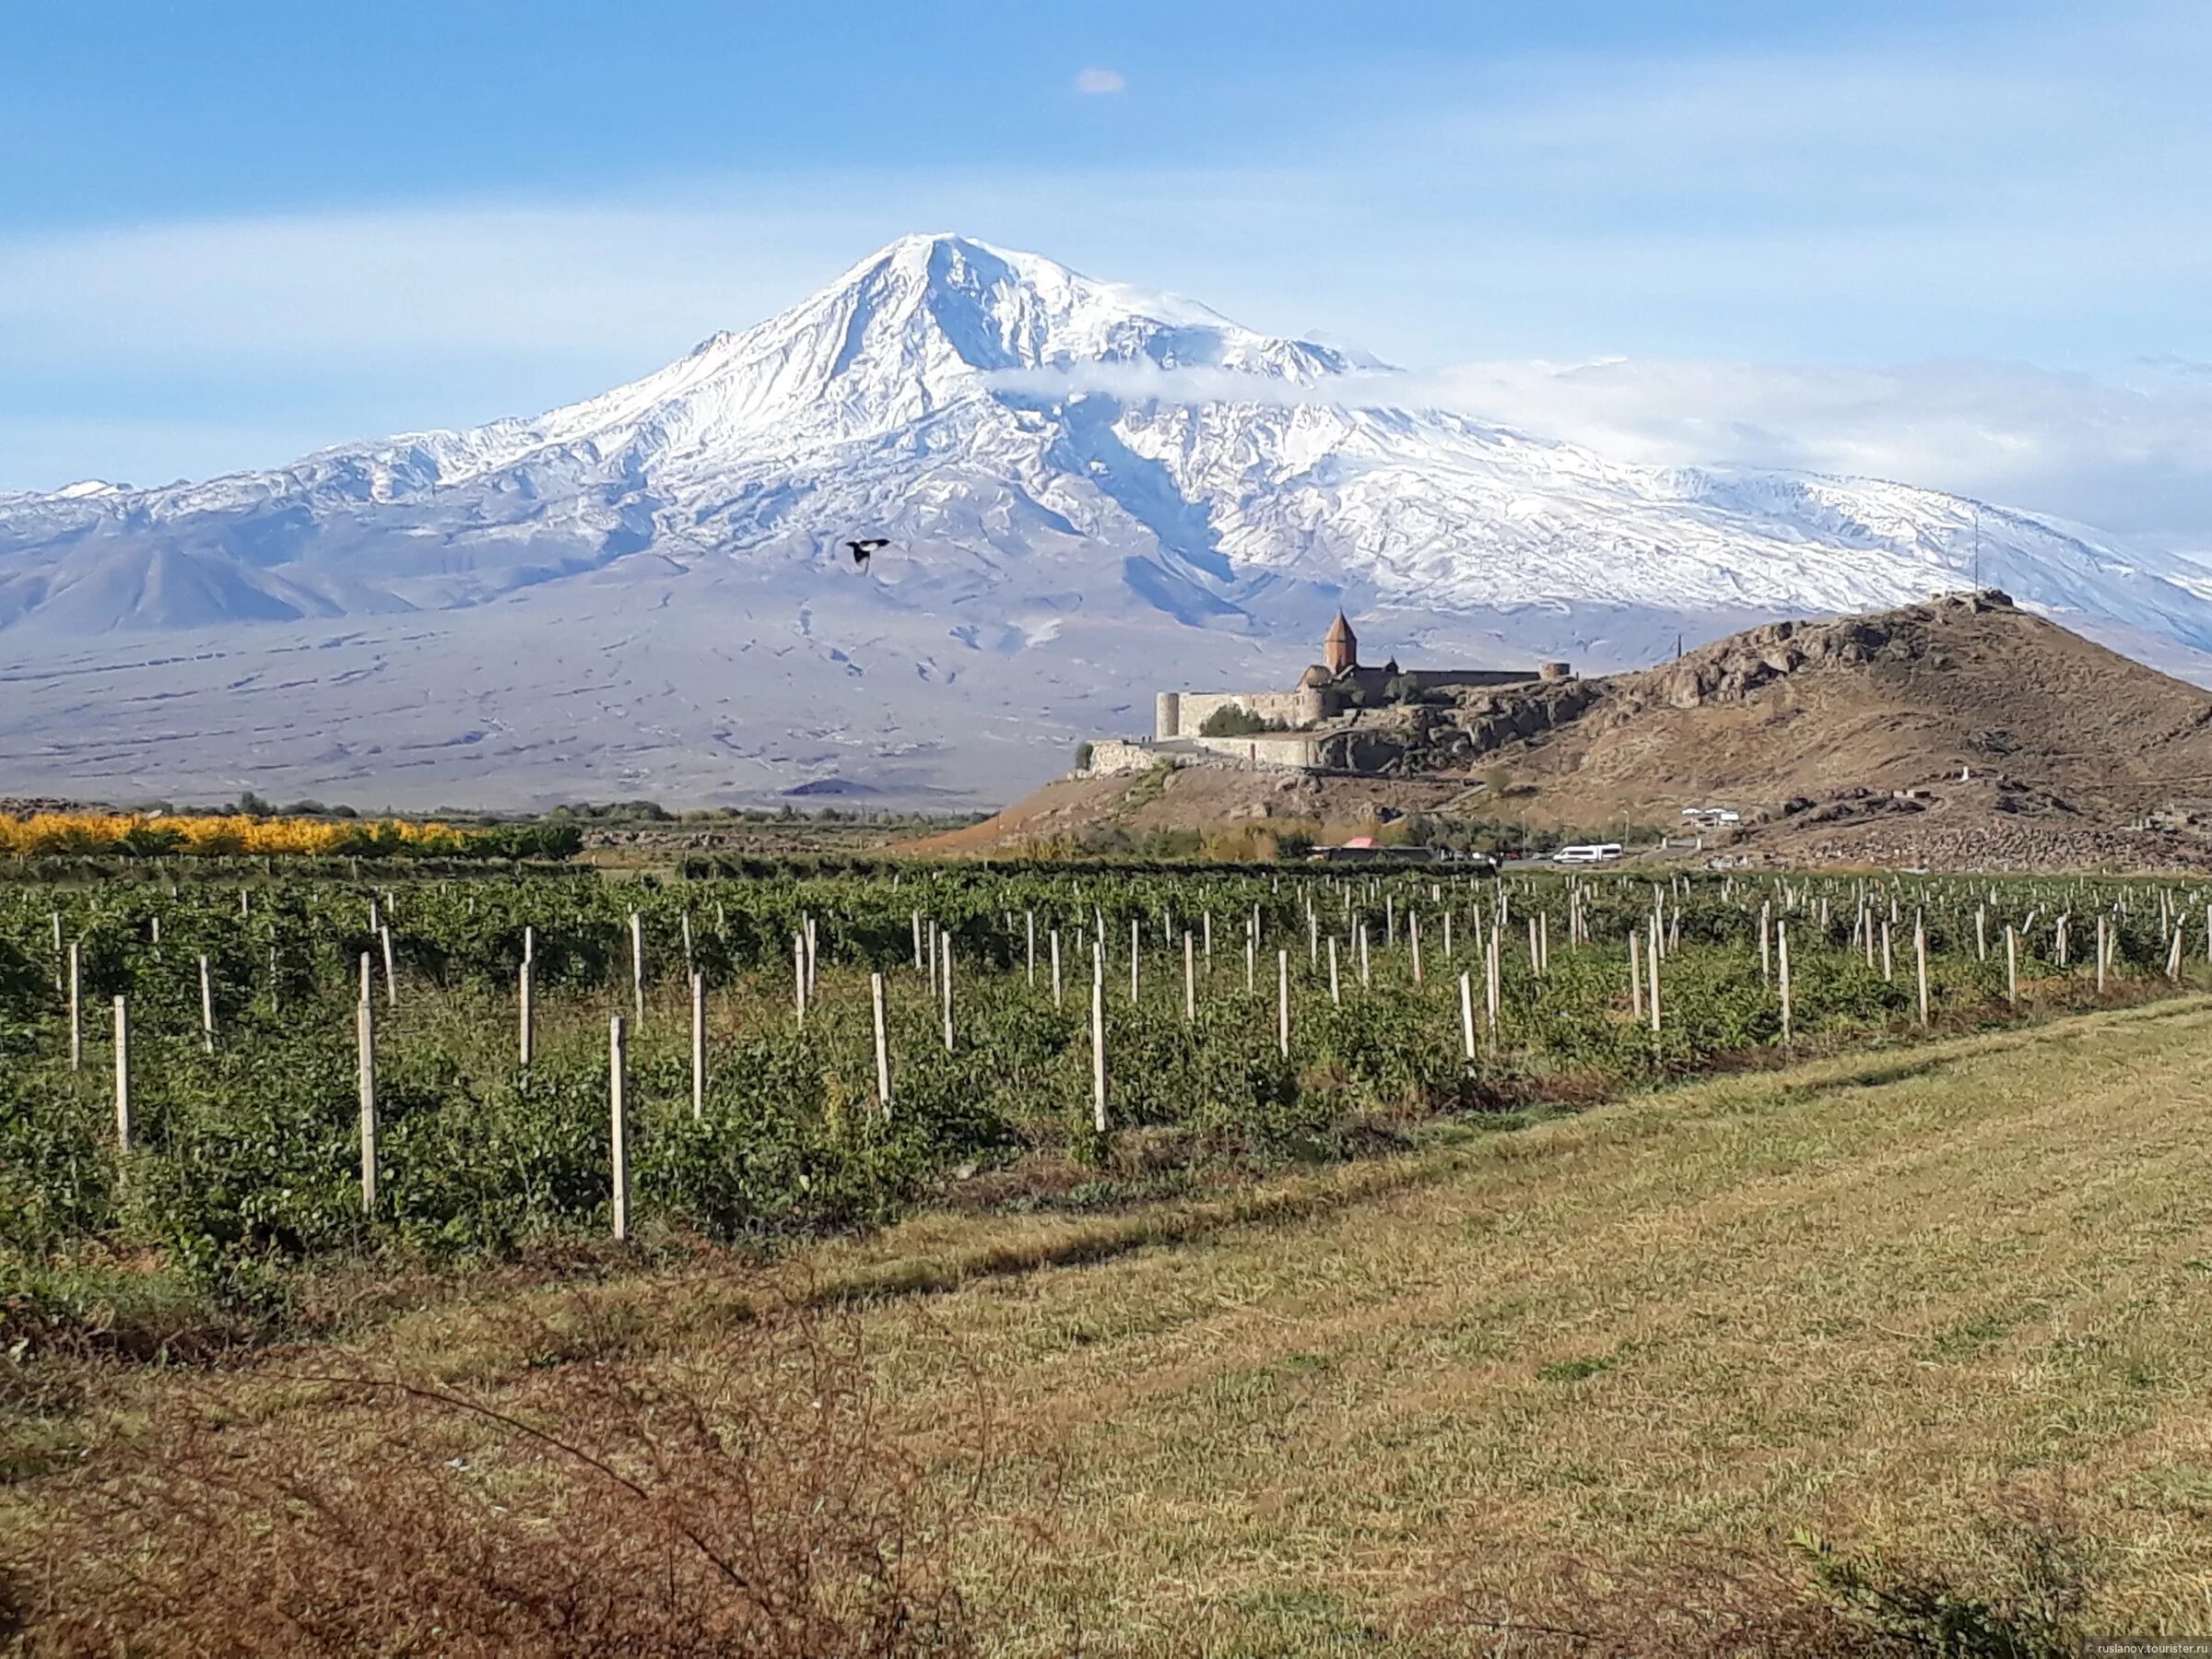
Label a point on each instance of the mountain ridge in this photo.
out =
(1053, 456)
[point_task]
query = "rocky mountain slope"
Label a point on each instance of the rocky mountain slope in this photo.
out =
(1089, 490)
(1962, 732)
(1881, 702)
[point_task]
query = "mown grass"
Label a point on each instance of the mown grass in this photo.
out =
(1873, 1298)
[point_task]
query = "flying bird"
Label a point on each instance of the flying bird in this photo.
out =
(863, 548)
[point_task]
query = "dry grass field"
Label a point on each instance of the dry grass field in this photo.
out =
(1389, 1406)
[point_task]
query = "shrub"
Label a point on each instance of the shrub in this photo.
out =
(1234, 720)
(747, 1500)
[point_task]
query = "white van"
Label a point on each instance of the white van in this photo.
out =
(1589, 852)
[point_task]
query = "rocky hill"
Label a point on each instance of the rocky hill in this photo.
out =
(1961, 733)
(1892, 700)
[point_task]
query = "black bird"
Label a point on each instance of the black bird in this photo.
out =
(863, 548)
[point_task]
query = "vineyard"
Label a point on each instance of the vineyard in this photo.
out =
(231, 1076)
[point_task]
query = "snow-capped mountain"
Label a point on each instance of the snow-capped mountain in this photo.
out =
(1086, 486)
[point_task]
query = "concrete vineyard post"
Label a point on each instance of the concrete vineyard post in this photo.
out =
(1055, 967)
(1029, 923)
(1098, 1049)
(945, 981)
(207, 1006)
(391, 977)
(1919, 964)
(1282, 1002)
(364, 1017)
(1635, 975)
(2012, 966)
(77, 1008)
(122, 1075)
(798, 976)
(1133, 953)
(1494, 987)
(883, 1047)
(1781, 970)
(1466, 1015)
(1365, 977)
(1889, 970)
(917, 919)
(1651, 966)
(618, 1131)
(1336, 991)
(637, 971)
(1981, 933)
(1413, 941)
(525, 994)
(2103, 953)
(1190, 979)
(698, 1045)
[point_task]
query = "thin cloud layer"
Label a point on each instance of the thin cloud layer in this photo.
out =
(2125, 455)
(1098, 82)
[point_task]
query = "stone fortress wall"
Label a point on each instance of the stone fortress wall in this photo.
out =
(1184, 714)
(1112, 756)
(1332, 687)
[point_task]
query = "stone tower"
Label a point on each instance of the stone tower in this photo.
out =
(1340, 647)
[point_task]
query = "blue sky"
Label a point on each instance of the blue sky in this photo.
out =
(1959, 242)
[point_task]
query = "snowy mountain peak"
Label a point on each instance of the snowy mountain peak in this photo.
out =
(929, 318)
(1019, 429)
(922, 325)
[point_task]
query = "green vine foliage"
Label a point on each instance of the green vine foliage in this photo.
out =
(248, 1158)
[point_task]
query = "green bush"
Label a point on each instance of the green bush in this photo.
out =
(1234, 720)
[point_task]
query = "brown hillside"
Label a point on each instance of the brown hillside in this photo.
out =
(1795, 725)
(1891, 701)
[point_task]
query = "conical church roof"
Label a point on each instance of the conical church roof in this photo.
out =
(1340, 631)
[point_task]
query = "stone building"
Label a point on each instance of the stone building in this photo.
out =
(1297, 720)
(1336, 684)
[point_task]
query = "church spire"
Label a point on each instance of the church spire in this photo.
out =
(1340, 646)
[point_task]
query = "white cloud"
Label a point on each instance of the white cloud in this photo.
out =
(1096, 80)
(2123, 455)
(2124, 452)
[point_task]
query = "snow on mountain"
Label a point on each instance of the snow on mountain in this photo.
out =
(1043, 450)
